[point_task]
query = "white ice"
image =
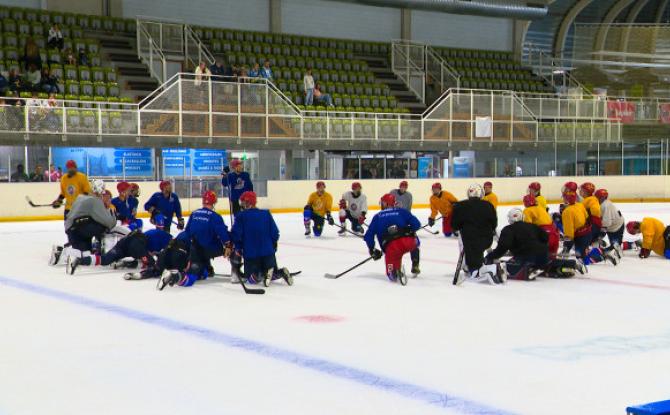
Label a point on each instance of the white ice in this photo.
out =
(94, 344)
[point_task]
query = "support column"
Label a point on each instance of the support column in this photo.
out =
(286, 165)
(406, 24)
(275, 16)
(520, 28)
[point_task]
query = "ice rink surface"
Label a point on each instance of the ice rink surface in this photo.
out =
(94, 343)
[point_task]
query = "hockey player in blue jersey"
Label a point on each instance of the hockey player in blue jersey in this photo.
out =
(395, 230)
(166, 203)
(237, 182)
(126, 207)
(137, 245)
(209, 238)
(255, 236)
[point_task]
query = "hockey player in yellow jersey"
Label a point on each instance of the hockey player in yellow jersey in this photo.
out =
(489, 196)
(72, 184)
(655, 237)
(317, 210)
(535, 189)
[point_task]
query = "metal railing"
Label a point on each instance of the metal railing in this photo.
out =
(407, 63)
(440, 72)
(551, 69)
(195, 50)
(150, 52)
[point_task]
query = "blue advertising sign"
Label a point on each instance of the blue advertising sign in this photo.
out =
(462, 166)
(425, 167)
(107, 162)
(183, 162)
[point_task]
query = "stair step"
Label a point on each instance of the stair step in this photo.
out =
(148, 85)
(125, 71)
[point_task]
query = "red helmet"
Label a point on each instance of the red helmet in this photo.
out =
(602, 194)
(437, 186)
(209, 198)
(134, 186)
(122, 186)
(356, 186)
(248, 199)
(164, 184)
(387, 201)
(569, 187)
(320, 184)
(403, 184)
(235, 162)
(529, 200)
(588, 188)
(535, 186)
(570, 198)
(71, 164)
(633, 227)
(488, 184)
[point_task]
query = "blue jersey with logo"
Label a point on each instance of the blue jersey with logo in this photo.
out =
(384, 220)
(208, 229)
(168, 206)
(255, 233)
(238, 183)
(157, 240)
(123, 210)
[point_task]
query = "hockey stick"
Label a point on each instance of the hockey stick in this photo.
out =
(250, 290)
(30, 202)
(334, 277)
(347, 230)
(425, 228)
(459, 265)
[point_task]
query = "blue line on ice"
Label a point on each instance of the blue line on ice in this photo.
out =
(386, 384)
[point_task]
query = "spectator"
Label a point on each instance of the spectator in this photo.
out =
(52, 102)
(31, 54)
(266, 71)
(255, 71)
(48, 82)
(14, 81)
(55, 38)
(218, 68)
(82, 57)
(54, 174)
(34, 101)
(201, 70)
(33, 78)
(69, 57)
(308, 80)
(38, 174)
(321, 98)
(236, 71)
(19, 175)
(4, 85)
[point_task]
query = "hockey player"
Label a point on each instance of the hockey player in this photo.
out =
(124, 209)
(612, 223)
(166, 203)
(576, 227)
(538, 216)
(354, 207)
(402, 197)
(90, 217)
(137, 245)
(489, 196)
(535, 189)
(592, 205)
(655, 237)
(72, 184)
(317, 210)
(442, 201)
(237, 182)
(528, 244)
(255, 236)
(476, 220)
(170, 262)
(209, 238)
(569, 187)
(395, 230)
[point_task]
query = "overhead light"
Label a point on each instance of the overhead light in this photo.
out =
(559, 71)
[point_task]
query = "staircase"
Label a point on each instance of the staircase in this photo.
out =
(381, 68)
(121, 50)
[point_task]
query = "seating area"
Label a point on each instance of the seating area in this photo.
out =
(78, 67)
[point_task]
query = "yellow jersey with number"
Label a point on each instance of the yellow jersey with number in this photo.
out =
(652, 235)
(71, 187)
(537, 216)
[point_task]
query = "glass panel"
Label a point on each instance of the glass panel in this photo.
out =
(635, 158)
(610, 159)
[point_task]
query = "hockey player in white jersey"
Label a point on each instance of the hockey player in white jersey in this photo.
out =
(353, 207)
(613, 225)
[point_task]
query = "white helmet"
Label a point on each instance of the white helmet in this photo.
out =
(98, 186)
(475, 190)
(514, 215)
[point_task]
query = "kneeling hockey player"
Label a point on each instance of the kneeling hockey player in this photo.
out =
(537, 215)
(353, 207)
(317, 210)
(403, 198)
(655, 237)
(395, 230)
(442, 201)
(613, 223)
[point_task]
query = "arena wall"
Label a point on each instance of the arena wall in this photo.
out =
(290, 196)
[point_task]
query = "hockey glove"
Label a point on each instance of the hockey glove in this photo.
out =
(431, 222)
(376, 254)
(180, 224)
(361, 219)
(226, 170)
(57, 203)
(644, 253)
(330, 219)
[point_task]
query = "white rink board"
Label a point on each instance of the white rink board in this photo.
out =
(94, 343)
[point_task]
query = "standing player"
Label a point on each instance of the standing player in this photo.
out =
(209, 238)
(72, 184)
(476, 220)
(402, 197)
(255, 236)
(395, 230)
(317, 210)
(442, 201)
(655, 237)
(237, 182)
(90, 217)
(354, 207)
(612, 223)
(489, 196)
(538, 216)
(167, 204)
(535, 189)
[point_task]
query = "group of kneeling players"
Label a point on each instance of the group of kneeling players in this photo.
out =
(105, 231)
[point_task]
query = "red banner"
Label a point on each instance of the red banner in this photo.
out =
(621, 111)
(665, 113)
